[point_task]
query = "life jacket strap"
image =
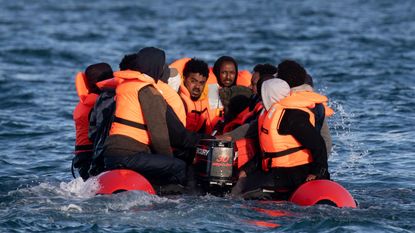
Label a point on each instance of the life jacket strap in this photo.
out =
(199, 112)
(264, 130)
(130, 123)
(282, 153)
(88, 147)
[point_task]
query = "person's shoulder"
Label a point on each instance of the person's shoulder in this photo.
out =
(149, 90)
(295, 115)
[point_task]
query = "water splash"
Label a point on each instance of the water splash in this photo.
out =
(347, 148)
(79, 188)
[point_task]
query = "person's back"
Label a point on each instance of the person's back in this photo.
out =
(88, 91)
(139, 137)
(304, 85)
(100, 120)
(293, 151)
(291, 145)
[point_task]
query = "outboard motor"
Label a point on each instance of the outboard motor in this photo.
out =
(214, 166)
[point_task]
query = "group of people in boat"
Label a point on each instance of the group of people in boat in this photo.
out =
(149, 116)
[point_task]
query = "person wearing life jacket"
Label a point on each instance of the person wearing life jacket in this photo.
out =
(321, 111)
(88, 91)
(248, 147)
(293, 151)
(139, 137)
(225, 70)
(146, 128)
(263, 71)
(195, 74)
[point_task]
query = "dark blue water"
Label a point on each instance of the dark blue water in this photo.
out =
(360, 53)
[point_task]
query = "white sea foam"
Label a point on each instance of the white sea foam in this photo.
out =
(71, 207)
(79, 188)
(132, 199)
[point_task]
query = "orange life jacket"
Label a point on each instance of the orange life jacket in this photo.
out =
(216, 108)
(284, 150)
(246, 147)
(242, 117)
(327, 110)
(129, 120)
(197, 112)
(173, 99)
(81, 119)
(83, 109)
(180, 64)
(244, 78)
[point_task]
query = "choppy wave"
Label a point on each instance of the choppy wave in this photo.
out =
(360, 55)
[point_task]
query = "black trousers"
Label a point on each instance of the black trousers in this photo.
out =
(282, 181)
(158, 169)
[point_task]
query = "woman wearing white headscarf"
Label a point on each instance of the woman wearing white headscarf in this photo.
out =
(274, 180)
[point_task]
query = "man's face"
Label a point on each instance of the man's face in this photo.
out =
(195, 83)
(254, 81)
(227, 73)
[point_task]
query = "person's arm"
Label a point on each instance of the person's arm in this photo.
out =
(154, 107)
(325, 133)
(296, 123)
(180, 137)
(248, 130)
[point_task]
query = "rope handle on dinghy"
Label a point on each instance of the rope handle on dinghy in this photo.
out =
(72, 170)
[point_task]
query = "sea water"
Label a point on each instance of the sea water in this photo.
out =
(360, 54)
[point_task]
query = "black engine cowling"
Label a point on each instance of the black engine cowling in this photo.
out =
(214, 166)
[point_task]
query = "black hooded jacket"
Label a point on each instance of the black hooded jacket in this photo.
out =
(218, 64)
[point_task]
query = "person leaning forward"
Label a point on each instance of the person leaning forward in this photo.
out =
(139, 136)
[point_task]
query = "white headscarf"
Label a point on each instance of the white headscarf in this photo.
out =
(274, 90)
(174, 82)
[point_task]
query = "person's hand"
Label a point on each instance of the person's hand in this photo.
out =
(310, 177)
(224, 137)
(242, 174)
